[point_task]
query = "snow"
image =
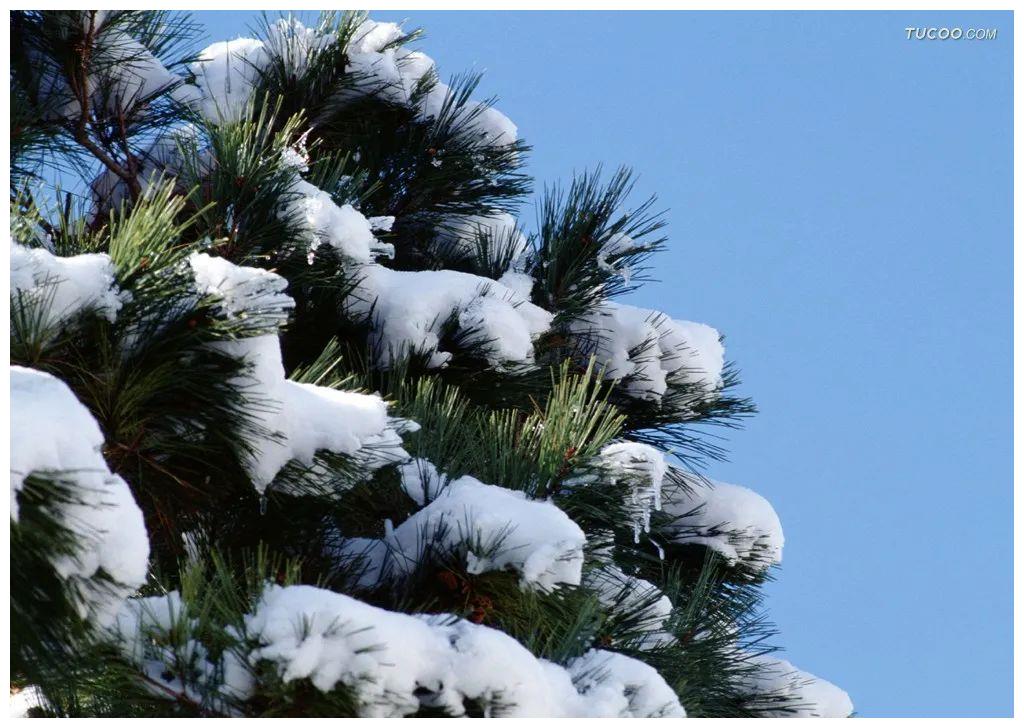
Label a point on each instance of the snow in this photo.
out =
(242, 291)
(484, 124)
(129, 73)
(122, 74)
(57, 437)
(734, 521)
(421, 481)
(407, 310)
(397, 663)
(521, 284)
(809, 696)
(491, 667)
(342, 227)
(150, 615)
(644, 469)
(380, 69)
(226, 73)
(394, 74)
(491, 126)
(645, 347)
(156, 634)
(381, 223)
(330, 638)
(24, 700)
(499, 229)
(611, 250)
(159, 163)
(620, 592)
(303, 418)
(500, 528)
(292, 44)
(394, 663)
(66, 286)
(615, 685)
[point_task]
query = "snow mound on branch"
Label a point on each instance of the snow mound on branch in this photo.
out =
(500, 528)
(122, 74)
(329, 638)
(394, 73)
(300, 419)
(808, 696)
(644, 468)
(627, 594)
(341, 226)
(130, 73)
(54, 436)
(25, 700)
(499, 229)
(521, 284)
(421, 480)
(157, 165)
(734, 521)
(65, 286)
(142, 628)
(242, 291)
(644, 347)
(291, 43)
(615, 685)
(226, 73)
(408, 310)
(398, 663)
(610, 253)
(476, 120)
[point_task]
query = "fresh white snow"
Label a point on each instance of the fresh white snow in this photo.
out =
(613, 685)
(397, 663)
(55, 436)
(499, 229)
(341, 226)
(407, 309)
(227, 72)
(64, 286)
(734, 521)
(24, 700)
(503, 529)
(122, 74)
(643, 468)
(619, 591)
(809, 696)
(303, 418)
(645, 347)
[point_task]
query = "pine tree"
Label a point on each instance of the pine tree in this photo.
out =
(305, 424)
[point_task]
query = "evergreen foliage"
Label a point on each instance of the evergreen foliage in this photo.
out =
(342, 152)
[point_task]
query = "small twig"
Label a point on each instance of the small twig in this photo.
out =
(178, 697)
(80, 87)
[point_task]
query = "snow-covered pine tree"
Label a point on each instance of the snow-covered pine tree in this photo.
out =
(305, 424)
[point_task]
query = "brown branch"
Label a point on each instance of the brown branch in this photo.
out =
(80, 87)
(180, 698)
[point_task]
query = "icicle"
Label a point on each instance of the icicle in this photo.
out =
(661, 550)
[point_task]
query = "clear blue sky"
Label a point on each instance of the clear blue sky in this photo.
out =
(841, 208)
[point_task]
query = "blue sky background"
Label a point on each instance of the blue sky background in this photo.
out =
(841, 209)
